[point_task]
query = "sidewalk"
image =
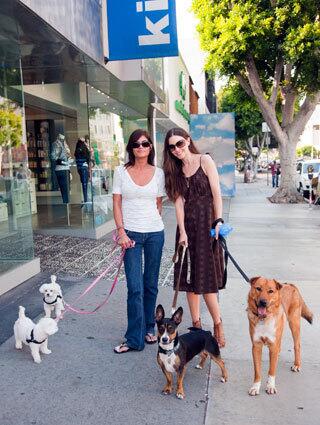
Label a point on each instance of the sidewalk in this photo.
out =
(84, 383)
(281, 242)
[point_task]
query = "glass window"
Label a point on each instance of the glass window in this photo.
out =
(56, 121)
(154, 69)
(15, 208)
(107, 143)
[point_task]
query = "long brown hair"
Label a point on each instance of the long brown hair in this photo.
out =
(134, 137)
(175, 180)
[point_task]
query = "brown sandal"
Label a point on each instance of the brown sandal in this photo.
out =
(219, 334)
(197, 324)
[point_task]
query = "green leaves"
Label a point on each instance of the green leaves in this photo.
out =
(10, 125)
(231, 30)
(248, 116)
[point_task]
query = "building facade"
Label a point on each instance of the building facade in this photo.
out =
(56, 88)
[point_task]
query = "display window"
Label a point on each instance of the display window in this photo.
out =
(16, 236)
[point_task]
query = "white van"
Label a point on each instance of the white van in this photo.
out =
(302, 179)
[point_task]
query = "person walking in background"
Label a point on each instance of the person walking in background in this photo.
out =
(278, 173)
(138, 188)
(192, 183)
(273, 169)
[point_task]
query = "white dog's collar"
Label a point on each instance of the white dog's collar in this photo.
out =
(34, 340)
(53, 302)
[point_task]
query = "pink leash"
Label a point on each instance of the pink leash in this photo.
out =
(93, 284)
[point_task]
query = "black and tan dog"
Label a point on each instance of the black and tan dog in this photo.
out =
(174, 352)
(269, 303)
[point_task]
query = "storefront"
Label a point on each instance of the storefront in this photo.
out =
(66, 114)
(16, 235)
(51, 96)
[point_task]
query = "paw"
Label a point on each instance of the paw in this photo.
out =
(47, 351)
(167, 390)
(295, 368)
(271, 389)
(37, 360)
(255, 389)
(19, 345)
(199, 367)
(180, 395)
(271, 385)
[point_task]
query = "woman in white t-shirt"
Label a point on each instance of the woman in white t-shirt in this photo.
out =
(138, 188)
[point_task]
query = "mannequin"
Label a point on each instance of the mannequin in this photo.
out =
(83, 159)
(61, 155)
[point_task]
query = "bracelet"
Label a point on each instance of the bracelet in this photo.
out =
(217, 221)
(120, 227)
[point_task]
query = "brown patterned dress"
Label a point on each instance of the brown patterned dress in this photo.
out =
(203, 268)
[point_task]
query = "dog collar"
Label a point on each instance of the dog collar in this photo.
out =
(33, 340)
(53, 302)
(169, 352)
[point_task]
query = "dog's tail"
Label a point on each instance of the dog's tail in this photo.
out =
(306, 313)
(21, 312)
(53, 278)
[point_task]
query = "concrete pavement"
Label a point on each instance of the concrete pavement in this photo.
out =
(281, 242)
(84, 382)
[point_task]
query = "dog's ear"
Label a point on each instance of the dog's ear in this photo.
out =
(177, 316)
(254, 279)
(159, 313)
(42, 288)
(278, 285)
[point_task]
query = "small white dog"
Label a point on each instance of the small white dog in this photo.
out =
(52, 299)
(34, 334)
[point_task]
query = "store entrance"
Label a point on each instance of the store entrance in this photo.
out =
(55, 204)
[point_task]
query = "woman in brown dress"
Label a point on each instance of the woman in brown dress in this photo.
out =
(192, 183)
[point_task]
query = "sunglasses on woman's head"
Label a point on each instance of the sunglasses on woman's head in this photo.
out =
(179, 144)
(144, 144)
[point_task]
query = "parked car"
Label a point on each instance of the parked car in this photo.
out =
(302, 177)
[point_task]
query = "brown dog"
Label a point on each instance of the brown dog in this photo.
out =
(269, 303)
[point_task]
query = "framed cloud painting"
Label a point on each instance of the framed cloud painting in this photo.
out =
(215, 134)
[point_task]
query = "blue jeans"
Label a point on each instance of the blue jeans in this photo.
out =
(63, 177)
(142, 285)
(84, 178)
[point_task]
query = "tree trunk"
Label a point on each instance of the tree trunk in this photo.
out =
(254, 166)
(287, 192)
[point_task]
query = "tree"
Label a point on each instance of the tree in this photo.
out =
(308, 151)
(10, 127)
(272, 47)
(248, 118)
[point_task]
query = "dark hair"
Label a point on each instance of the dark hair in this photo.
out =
(82, 150)
(134, 137)
(172, 166)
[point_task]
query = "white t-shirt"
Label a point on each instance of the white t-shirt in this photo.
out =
(139, 203)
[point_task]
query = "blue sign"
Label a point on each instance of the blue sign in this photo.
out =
(140, 29)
